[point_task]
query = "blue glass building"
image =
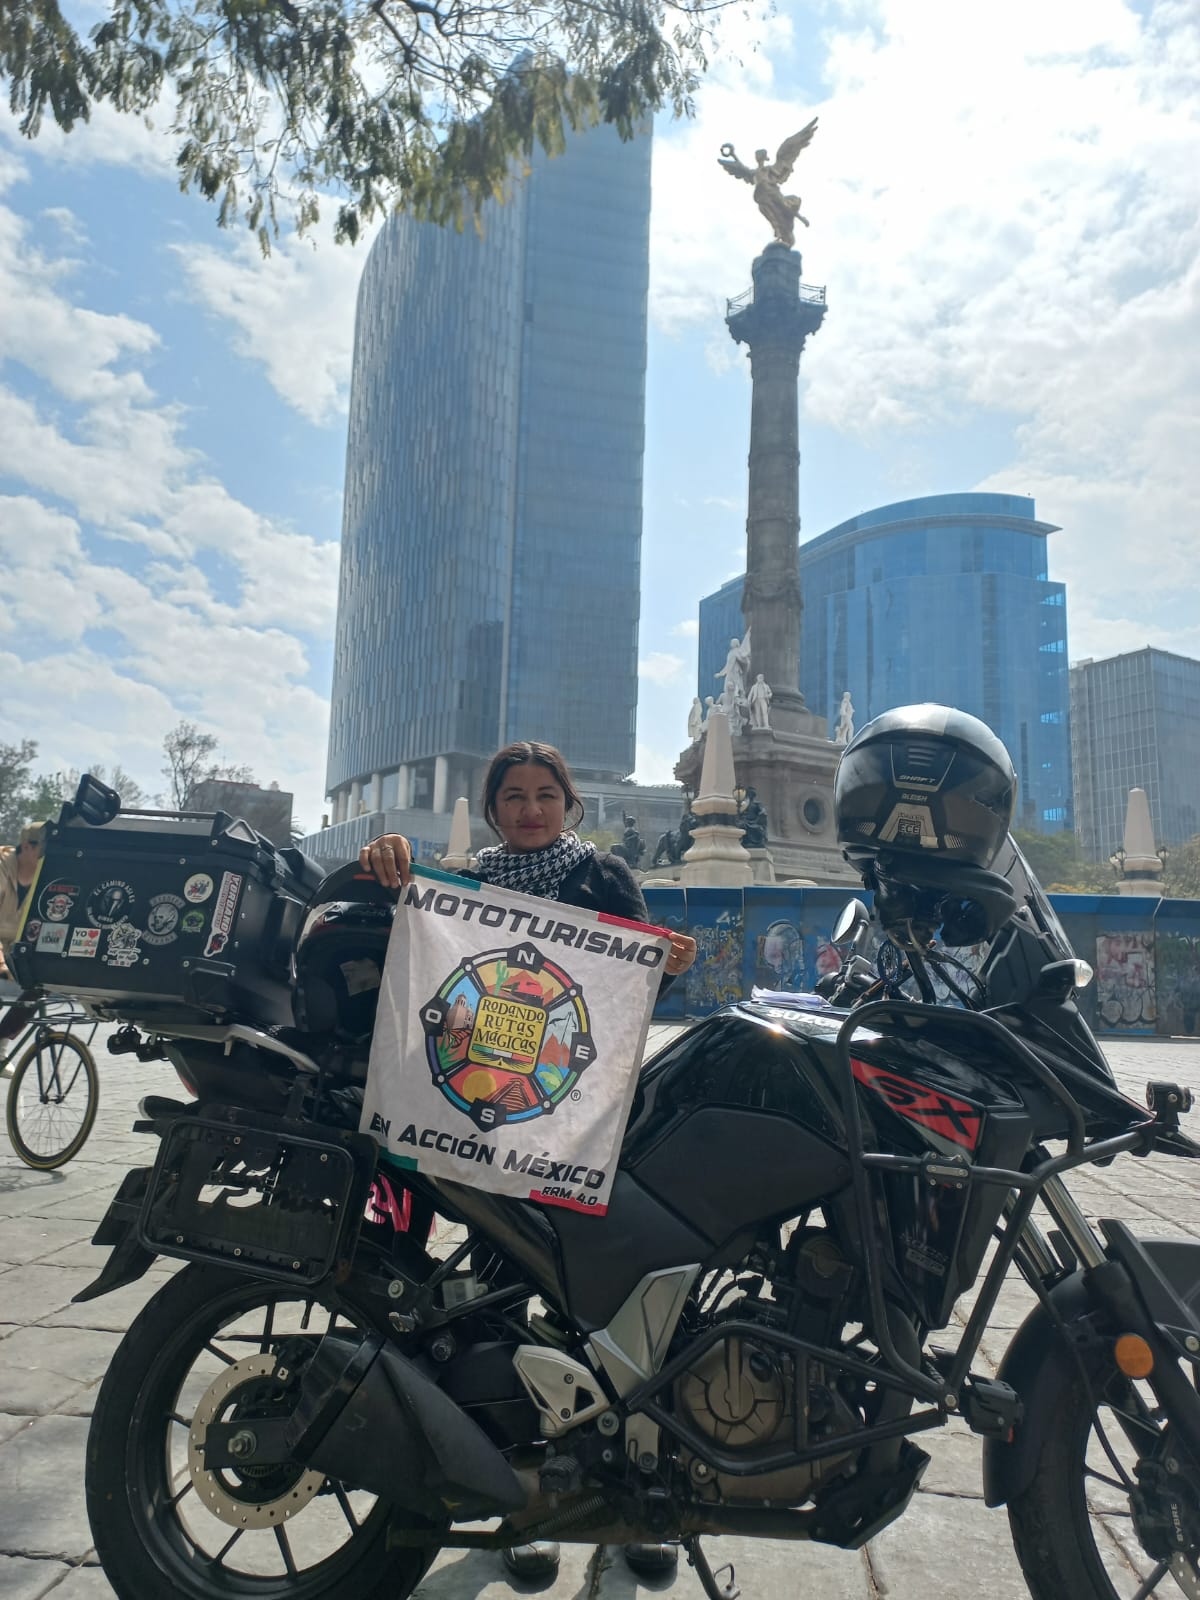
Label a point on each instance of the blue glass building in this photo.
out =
(945, 598)
(491, 533)
(1135, 724)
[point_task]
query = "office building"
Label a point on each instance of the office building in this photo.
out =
(491, 536)
(1135, 724)
(944, 598)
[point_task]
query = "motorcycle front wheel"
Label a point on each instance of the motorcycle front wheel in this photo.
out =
(207, 1348)
(1073, 1527)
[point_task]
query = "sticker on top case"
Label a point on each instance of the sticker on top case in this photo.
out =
(123, 949)
(109, 903)
(223, 913)
(52, 939)
(198, 888)
(162, 919)
(56, 900)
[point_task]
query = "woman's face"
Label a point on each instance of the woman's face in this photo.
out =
(531, 807)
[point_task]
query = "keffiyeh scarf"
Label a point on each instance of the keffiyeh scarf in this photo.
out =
(538, 872)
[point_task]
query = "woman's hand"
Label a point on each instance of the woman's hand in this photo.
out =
(390, 858)
(682, 954)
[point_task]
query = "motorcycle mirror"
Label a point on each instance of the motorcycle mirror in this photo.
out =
(853, 921)
(95, 802)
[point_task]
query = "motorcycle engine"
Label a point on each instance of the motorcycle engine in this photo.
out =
(741, 1394)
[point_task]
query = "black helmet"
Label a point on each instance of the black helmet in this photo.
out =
(339, 967)
(924, 782)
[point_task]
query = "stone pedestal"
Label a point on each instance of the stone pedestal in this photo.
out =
(717, 855)
(761, 866)
(792, 774)
(717, 859)
(1141, 866)
(458, 850)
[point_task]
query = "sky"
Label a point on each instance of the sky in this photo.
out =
(1005, 212)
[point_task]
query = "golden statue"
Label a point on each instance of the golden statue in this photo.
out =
(781, 210)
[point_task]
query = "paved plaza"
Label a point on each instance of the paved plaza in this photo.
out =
(53, 1355)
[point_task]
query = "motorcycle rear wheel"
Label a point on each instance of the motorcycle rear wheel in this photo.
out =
(1072, 1527)
(165, 1527)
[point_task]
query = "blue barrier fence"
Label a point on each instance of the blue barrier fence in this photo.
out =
(1146, 952)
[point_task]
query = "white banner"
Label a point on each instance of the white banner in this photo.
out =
(508, 1039)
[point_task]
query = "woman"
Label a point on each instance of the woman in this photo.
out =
(528, 795)
(18, 868)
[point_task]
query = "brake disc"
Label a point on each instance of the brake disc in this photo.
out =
(1183, 1570)
(213, 1488)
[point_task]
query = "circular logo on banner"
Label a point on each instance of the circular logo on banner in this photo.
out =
(198, 888)
(507, 1036)
(109, 903)
(162, 919)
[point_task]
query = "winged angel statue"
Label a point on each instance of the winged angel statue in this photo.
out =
(781, 210)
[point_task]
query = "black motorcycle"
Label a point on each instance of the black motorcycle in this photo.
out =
(360, 1365)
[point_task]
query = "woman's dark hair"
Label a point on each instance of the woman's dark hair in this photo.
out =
(525, 753)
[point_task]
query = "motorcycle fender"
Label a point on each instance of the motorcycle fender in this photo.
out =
(128, 1258)
(367, 1416)
(1038, 1366)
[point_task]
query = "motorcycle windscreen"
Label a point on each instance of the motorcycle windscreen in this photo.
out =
(1011, 864)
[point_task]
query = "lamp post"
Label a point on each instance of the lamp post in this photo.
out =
(1117, 861)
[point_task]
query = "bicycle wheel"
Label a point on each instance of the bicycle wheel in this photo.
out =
(52, 1101)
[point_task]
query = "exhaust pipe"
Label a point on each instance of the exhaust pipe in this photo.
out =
(369, 1418)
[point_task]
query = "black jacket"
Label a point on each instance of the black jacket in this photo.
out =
(604, 882)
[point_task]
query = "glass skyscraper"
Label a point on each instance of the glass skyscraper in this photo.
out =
(492, 522)
(945, 598)
(1135, 724)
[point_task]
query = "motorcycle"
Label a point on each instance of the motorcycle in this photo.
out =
(358, 1365)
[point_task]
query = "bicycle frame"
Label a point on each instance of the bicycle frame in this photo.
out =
(51, 1014)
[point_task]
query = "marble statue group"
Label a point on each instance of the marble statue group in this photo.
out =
(741, 701)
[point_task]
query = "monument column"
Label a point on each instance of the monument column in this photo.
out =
(779, 317)
(783, 758)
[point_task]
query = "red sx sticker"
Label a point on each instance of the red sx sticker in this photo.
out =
(953, 1119)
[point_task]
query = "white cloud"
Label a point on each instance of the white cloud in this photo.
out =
(67, 223)
(105, 654)
(108, 139)
(653, 765)
(660, 667)
(689, 628)
(1006, 211)
(293, 313)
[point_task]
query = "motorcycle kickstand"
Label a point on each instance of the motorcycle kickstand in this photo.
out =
(708, 1578)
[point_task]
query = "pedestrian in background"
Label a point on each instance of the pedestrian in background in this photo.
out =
(18, 868)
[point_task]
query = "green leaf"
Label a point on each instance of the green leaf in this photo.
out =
(424, 105)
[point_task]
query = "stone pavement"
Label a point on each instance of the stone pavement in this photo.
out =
(53, 1355)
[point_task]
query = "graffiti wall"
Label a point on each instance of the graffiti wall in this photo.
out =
(715, 919)
(1146, 953)
(1125, 998)
(1177, 982)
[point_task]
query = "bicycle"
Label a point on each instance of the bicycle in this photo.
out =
(54, 1091)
